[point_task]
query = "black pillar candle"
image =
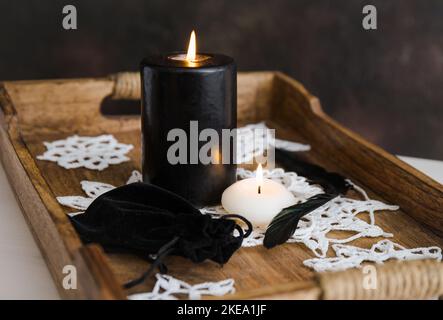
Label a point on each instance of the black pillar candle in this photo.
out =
(176, 91)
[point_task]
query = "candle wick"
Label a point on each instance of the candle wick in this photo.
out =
(259, 189)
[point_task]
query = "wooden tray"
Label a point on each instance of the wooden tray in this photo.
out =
(37, 111)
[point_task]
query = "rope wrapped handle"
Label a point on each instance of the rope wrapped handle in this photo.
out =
(419, 279)
(126, 85)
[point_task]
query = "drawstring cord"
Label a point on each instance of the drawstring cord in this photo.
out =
(162, 253)
(166, 249)
(246, 221)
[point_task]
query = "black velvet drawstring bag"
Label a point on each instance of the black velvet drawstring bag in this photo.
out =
(147, 220)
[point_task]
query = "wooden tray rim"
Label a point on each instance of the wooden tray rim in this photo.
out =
(101, 283)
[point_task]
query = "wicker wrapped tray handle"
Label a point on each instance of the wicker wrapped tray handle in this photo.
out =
(421, 279)
(126, 85)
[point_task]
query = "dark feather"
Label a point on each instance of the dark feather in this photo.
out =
(331, 182)
(283, 226)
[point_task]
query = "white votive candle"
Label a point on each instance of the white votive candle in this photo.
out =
(258, 200)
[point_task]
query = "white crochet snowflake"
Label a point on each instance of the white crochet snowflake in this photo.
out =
(166, 287)
(95, 153)
(254, 139)
(93, 189)
(350, 256)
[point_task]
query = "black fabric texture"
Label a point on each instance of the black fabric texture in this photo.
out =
(142, 218)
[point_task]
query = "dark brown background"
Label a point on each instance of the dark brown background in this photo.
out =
(385, 84)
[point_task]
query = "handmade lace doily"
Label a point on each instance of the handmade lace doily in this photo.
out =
(254, 139)
(95, 153)
(350, 257)
(166, 287)
(92, 189)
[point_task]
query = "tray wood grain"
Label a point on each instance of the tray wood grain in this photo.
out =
(37, 111)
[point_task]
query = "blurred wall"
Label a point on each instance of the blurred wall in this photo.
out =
(384, 84)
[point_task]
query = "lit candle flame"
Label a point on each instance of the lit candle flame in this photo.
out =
(192, 48)
(259, 177)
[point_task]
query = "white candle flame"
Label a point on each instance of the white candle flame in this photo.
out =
(192, 48)
(259, 177)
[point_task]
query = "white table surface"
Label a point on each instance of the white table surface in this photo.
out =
(23, 272)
